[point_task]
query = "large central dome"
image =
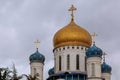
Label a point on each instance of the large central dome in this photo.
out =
(72, 34)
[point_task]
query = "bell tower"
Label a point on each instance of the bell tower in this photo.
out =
(106, 69)
(37, 63)
(94, 58)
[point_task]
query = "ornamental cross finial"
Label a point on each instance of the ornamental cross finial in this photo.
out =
(37, 43)
(104, 54)
(93, 37)
(72, 9)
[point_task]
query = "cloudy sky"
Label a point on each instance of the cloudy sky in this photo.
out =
(24, 21)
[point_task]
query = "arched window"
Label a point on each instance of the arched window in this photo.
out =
(68, 62)
(103, 79)
(55, 62)
(85, 63)
(37, 74)
(60, 63)
(77, 62)
(93, 69)
(68, 47)
(34, 71)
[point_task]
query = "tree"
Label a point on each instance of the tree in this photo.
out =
(15, 75)
(5, 74)
(29, 77)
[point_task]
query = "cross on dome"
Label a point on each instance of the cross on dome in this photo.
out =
(104, 54)
(72, 8)
(37, 43)
(93, 37)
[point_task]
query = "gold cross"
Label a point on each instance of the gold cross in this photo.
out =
(37, 43)
(72, 8)
(104, 54)
(93, 37)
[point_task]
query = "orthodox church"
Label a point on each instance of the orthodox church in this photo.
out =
(76, 56)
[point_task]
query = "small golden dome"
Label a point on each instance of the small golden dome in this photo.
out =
(72, 34)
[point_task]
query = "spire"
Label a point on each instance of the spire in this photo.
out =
(37, 43)
(104, 54)
(93, 37)
(72, 8)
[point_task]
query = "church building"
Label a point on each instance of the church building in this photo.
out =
(76, 56)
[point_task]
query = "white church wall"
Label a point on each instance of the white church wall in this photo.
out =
(39, 69)
(97, 69)
(106, 76)
(72, 51)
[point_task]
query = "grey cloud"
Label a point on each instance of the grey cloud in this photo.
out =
(24, 21)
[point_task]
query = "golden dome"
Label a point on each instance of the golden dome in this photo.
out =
(72, 34)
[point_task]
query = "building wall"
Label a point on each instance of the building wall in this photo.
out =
(37, 69)
(72, 51)
(106, 76)
(94, 79)
(94, 72)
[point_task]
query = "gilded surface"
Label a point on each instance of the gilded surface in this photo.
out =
(72, 34)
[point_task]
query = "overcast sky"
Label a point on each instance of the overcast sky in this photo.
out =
(24, 21)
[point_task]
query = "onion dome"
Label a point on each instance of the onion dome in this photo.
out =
(106, 68)
(72, 34)
(51, 71)
(94, 52)
(37, 57)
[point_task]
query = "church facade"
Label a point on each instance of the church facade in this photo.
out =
(76, 56)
